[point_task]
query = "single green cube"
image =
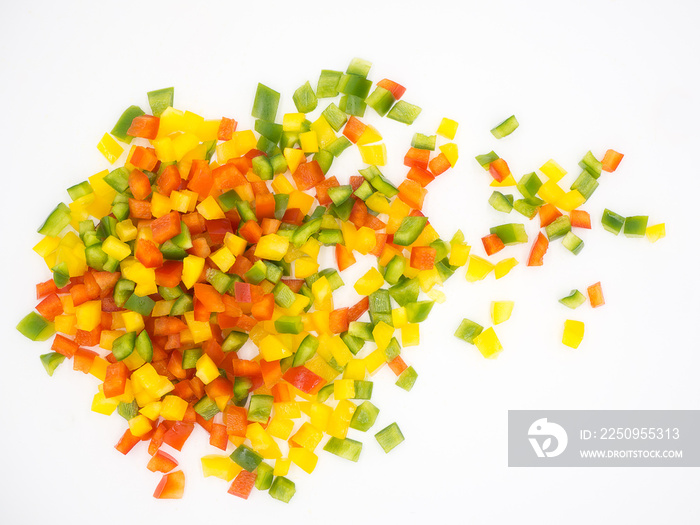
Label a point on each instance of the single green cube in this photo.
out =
(389, 437)
(558, 228)
(468, 330)
(364, 416)
(612, 222)
(636, 226)
(512, 233)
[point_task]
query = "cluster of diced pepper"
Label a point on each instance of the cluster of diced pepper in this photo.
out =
(559, 216)
(198, 297)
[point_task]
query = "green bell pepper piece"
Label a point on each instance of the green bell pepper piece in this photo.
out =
(418, 311)
(327, 86)
(468, 330)
(289, 324)
(282, 489)
(257, 273)
(591, 165)
(364, 191)
(246, 457)
(305, 231)
(404, 112)
(123, 346)
(206, 407)
(407, 379)
(355, 85)
(409, 230)
(160, 100)
(305, 99)
(260, 408)
(228, 200)
(389, 437)
(340, 194)
(306, 350)
(612, 222)
(330, 237)
(279, 164)
(420, 141)
(380, 100)
(122, 291)
(353, 105)
(265, 104)
(334, 116)
(124, 123)
(394, 269)
(324, 159)
(234, 341)
(264, 475)
(35, 327)
(269, 130)
(128, 410)
(169, 294)
(526, 208)
(361, 330)
(406, 291)
(58, 219)
(636, 226)
(529, 184)
(144, 346)
(505, 128)
(558, 227)
(118, 178)
(572, 243)
(190, 356)
(573, 300)
(182, 305)
(510, 234)
(364, 416)
(359, 66)
(60, 274)
(142, 305)
(353, 343)
(585, 184)
(339, 145)
(486, 159)
(51, 361)
(345, 448)
(343, 211)
(501, 202)
(79, 190)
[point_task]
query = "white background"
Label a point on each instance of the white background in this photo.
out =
(579, 76)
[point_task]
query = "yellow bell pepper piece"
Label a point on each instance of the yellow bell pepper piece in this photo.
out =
(370, 282)
(450, 151)
(399, 317)
(459, 254)
(553, 170)
(354, 369)
(374, 154)
(103, 405)
(339, 421)
(223, 258)
(152, 410)
(181, 200)
(308, 141)
(427, 279)
(210, 209)
(369, 136)
(88, 315)
(206, 370)
(133, 321)
(287, 409)
(501, 311)
(311, 248)
(344, 389)
(47, 245)
(237, 245)
(262, 442)
(308, 436)
(173, 408)
(222, 467)
(192, 267)
(488, 344)
(281, 467)
(294, 157)
(320, 367)
(272, 247)
(319, 415)
(281, 184)
(656, 232)
(378, 202)
(305, 267)
(301, 200)
(341, 353)
(573, 333)
(503, 267)
(110, 148)
(478, 268)
(570, 201)
(200, 330)
(551, 192)
(65, 324)
(447, 128)
(382, 334)
(126, 231)
(293, 121)
(116, 248)
(280, 427)
(323, 294)
(140, 425)
(374, 360)
(410, 334)
(366, 240)
(324, 132)
(303, 458)
(349, 234)
(272, 349)
(508, 181)
(99, 368)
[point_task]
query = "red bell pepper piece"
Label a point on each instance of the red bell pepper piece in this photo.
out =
(492, 244)
(161, 462)
(226, 128)
(539, 248)
(127, 442)
(308, 175)
(439, 164)
(171, 486)
(50, 307)
(169, 180)
(338, 320)
(83, 359)
(417, 158)
(356, 310)
(140, 209)
(166, 227)
(580, 219)
(169, 274)
(218, 437)
(144, 126)
(611, 160)
(263, 309)
(236, 420)
(396, 89)
(548, 212)
(148, 254)
(178, 434)
(412, 193)
(595, 295)
(45, 288)
(115, 379)
(64, 346)
(353, 129)
(322, 190)
(243, 485)
(251, 232)
(421, 176)
(144, 158)
(194, 222)
(343, 257)
(304, 379)
(139, 184)
(209, 297)
(200, 178)
(499, 169)
(423, 257)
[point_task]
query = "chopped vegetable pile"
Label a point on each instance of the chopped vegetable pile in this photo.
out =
(190, 279)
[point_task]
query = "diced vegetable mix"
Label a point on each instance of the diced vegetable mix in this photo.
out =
(200, 289)
(192, 272)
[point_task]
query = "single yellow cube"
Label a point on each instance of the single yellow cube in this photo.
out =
(281, 467)
(133, 321)
(410, 334)
(370, 282)
(126, 230)
(103, 405)
(281, 185)
(110, 148)
(293, 121)
(399, 317)
(272, 247)
(98, 368)
(140, 425)
(382, 334)
(223, 258)
(656, 232)
(501, 310)
(503, 267)
(373, 154)
(303, 458)
(374, 360)
(488, 344)
(209, 209)
(88, 315)
(272, 349)
(339, 421)
(206, 370)
(152, 410)
(344, 389)
(354, 369)
(478, 268)
(192, 268)
(280, 427)
(308, 141)
(218, 466)
(447, 128)
(116, 248)
(308, 436)
(173, 408)
(451, 152)
(553, 170)
(378, 202)
(573, 333)
(237, 245)
(459, 254)
(323, 294)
